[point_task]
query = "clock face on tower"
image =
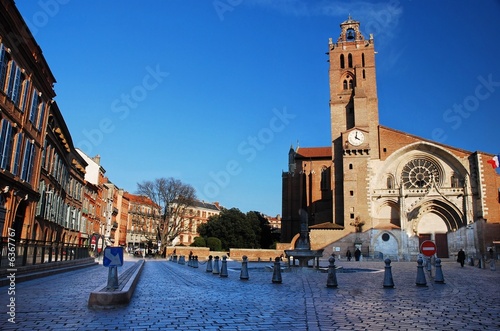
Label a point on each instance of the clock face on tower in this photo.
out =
(356, 137)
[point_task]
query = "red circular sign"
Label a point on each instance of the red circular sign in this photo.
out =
(428, 248)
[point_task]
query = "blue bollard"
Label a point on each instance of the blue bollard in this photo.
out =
(216, 270)
(244, 268)
(195, 261)
(209, 264)
(388, 281)
(439, 278)
(182, 260)
(420, 274)
(223, 269)
(277, 271)
(332, 273)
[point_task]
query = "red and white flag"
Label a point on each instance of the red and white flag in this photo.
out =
(494, 161)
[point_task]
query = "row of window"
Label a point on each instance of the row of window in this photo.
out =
(52, 207)
(19, 89)
(350, 61)
(17, 152)
(55, 165)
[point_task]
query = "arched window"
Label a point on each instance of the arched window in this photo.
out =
(345, 84)
(325, 178)
(350, 84)
(390, 182)
(342, 61)
(349, 60)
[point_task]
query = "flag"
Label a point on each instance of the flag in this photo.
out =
(494, 161)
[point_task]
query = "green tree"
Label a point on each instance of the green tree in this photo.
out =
(233, 228)
(266, 237)
(199, 242)
(214, 244)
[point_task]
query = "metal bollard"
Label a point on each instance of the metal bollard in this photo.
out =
(420, 274)
(244, 268)
(388, 281)
(216, 270)
(277, 271)
(182, 259)
(332, 273)
(439, 278)
(223, 269)
(209, 264)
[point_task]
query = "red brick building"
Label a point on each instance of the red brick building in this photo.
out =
(380, 189)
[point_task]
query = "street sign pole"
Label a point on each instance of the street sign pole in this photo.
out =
(112, 278)
(113, 258)
(428, 248)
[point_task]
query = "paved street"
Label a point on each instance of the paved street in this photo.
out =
(170, 296)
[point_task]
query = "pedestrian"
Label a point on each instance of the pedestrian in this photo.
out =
(357, 254)
(492, 253)
(461, 257)
(348, 255)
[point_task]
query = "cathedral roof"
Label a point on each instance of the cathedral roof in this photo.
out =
(313, 152)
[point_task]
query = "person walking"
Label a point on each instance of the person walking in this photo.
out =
(348, 255)
(357, 254)
(461, 257)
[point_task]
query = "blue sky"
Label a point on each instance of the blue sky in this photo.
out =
(214, 93)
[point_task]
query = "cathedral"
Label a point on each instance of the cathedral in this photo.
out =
(382, 190)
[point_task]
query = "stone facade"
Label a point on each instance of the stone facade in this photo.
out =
(380, 189)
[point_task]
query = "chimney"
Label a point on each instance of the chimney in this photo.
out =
(97, 159)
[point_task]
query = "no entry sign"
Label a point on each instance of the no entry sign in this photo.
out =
(428, 248)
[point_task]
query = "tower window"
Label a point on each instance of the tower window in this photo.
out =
(363, 59)
(364, 74)
(350, 84)
(350, 166)
(350, 35)
(351, 193)
(345, 84)
(349, 60)
(342, 61)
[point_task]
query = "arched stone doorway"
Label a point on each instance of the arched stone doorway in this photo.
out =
(433, 219)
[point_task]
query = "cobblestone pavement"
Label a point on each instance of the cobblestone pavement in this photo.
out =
(170, 296)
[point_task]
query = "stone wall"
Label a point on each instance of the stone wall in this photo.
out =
(236, 254)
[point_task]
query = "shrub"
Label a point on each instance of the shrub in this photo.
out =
(214, 244)
(199, 242)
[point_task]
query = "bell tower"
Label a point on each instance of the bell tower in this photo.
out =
(354, 119)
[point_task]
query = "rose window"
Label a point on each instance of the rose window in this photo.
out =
(419, 173)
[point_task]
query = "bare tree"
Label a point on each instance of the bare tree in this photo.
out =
(174, 199)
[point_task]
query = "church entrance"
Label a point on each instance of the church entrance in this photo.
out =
(441, 241)
(433, 227)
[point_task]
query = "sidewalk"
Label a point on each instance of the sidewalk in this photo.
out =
(170, 296)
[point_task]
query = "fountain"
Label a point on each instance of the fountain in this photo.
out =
(302, 250)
